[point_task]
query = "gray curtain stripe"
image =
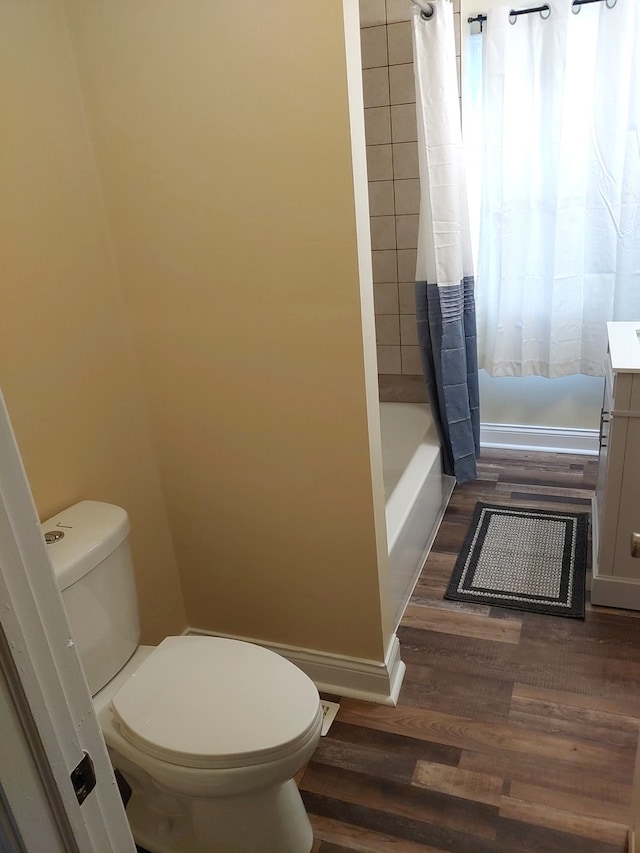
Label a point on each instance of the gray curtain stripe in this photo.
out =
(446, 322)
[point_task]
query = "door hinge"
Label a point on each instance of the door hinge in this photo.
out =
(83, 778)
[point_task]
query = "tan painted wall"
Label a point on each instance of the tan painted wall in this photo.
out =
(66, 367)
(222, 137)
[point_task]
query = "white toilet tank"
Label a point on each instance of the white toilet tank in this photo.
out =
(89, 549)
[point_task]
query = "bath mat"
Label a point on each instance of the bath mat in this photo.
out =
(525, 559)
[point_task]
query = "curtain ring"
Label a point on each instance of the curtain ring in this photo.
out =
(545, 12)
(610, 3)
(427, 10)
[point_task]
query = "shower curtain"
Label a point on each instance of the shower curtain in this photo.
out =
(560, 218)
(445, 308)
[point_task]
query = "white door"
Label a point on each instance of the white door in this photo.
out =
(48, 724)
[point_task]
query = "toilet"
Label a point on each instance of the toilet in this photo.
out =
(208, 732)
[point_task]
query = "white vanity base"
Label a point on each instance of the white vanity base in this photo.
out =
(615, 592)
(616, 506)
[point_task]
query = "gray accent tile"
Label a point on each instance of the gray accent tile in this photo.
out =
(402, 389)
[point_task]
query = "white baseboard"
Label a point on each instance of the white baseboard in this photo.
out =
(369, 681)
(550, 439)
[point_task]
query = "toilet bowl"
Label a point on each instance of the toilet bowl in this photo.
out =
(208, 732)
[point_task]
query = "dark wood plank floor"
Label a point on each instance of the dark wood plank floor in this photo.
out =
(514, 732)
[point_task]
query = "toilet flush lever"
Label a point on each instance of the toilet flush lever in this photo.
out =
(635, 544)
(53, 536)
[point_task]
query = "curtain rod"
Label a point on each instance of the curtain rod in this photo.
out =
(479, 19)
(516, 13)
(575, 8)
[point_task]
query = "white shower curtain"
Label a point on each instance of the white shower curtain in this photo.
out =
(445, 308)
(560, 224)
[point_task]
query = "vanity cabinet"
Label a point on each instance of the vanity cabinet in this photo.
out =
(616, 511)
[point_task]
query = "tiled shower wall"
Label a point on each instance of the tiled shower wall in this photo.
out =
(394, 187)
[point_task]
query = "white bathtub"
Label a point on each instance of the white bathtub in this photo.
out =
(416, 493)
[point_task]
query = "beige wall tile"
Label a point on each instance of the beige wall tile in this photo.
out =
(404, 126)
(387, 329)
(372, 13)
(373, 42)
(385, 298)
(398, 10)
(389, 359)
(405, 160)
(375, 85)
(385, 266)
(407, 265)
(377, 125)
(402, 87)
(383, 232)
(407, 297)
(400, 42)
(411, 363)
(394, 189)
(379, 163)
(381, 201)
(407, 196)
(408, 330)
(407, 231)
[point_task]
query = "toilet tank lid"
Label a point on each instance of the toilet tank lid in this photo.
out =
(92, 530)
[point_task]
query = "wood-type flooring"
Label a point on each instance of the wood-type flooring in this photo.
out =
(514, 732)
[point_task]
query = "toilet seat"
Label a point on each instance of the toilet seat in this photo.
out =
(209, 702)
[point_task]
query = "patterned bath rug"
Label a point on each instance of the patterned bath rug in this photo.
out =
(525, 559)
